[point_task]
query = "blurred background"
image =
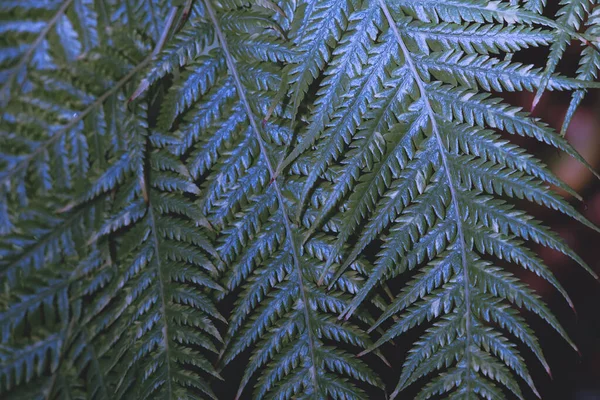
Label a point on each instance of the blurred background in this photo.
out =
(574, 376)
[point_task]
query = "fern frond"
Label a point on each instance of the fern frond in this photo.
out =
(476, 38)
(22, 364)
(414, 186)
(23, 57)
(589, 64)
(164, 278)
(234, 159)
(52, 145)
(570, 15)
(322, 25)
(192, 189)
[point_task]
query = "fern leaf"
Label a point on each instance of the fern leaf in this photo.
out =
(571, 15)
(429, 215)
(168, 270)
(280, 188)
(588, 67)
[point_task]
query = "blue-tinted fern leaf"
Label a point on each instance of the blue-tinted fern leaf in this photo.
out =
(589, 64)
(281, 185)
(288, 322)
(21, 364)
(413, 198)
(570, 15)
(166, 273)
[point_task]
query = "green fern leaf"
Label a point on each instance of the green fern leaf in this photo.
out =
(202, 199)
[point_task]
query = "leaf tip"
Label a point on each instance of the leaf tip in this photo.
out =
(536, 101)
(143, 86)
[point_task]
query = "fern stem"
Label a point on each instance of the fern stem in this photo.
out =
(68, 331)
(163, 304)
(100, 100)
(551, 66)
(27, 56)
(582, 37)
(288, 228)
(160, 272)
(453, 192)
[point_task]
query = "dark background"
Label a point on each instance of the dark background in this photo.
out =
(575, 376)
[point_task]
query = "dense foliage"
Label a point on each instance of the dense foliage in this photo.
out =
(188, 184)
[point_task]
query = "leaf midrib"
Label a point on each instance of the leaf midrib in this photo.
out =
(453, 192)
(289, 233)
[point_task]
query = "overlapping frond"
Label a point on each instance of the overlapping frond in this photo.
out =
(415, 171)
(281, 314)
(161, 297)
(64, 154)
(62, 93)
(188, 186)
